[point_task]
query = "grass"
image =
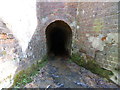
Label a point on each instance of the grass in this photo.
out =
(92, 66)
(25, 76)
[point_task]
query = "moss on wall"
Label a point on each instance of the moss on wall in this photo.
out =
(25, 76)
(91, 65)
(98, 25)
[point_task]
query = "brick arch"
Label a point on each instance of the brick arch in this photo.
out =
(58, 38)
(66, 18)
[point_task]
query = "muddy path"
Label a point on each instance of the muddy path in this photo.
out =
(60, 73)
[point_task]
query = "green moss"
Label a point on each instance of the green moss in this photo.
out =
(25, 76)
(4, 52)
(98, 25)
(91, 65)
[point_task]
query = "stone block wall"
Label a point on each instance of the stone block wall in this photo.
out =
(10, 55)
(94, 28)
(48, 12)
(97, 33)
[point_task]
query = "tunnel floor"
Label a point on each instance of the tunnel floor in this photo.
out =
(63, 74)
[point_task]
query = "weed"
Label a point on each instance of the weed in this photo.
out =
(92, 66)
(25, 76)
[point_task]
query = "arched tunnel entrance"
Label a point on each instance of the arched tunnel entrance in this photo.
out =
(59, 39)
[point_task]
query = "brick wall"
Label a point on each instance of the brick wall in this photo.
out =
(94, 28)
(10, 55)
(94, 31)
(48, 12)
(98, 33)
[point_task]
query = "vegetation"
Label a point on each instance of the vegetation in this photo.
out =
(92, 66)
(25, 76)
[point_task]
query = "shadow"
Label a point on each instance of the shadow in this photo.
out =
(58, 35)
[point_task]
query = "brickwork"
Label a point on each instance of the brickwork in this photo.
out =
(98, 33)
(10, 55)
(55, 11)
(94, 28)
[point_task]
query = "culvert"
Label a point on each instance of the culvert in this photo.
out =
(59, 39)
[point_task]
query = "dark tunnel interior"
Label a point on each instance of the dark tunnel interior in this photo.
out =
(58, 36)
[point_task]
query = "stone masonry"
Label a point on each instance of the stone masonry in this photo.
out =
(94, 27)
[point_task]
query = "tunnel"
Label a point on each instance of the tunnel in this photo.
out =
(58, 39)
